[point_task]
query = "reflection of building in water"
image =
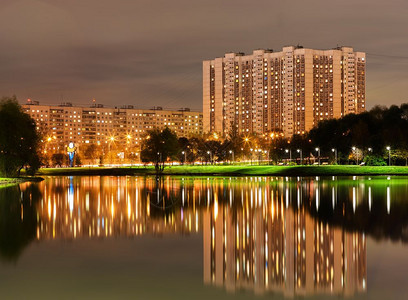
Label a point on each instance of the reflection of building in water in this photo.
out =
(267, 247)
(258, 232)
(113, 206)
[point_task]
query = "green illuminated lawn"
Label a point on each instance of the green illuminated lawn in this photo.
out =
(235, 170)
(10, 181)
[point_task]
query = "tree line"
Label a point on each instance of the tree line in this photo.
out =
(376, 137)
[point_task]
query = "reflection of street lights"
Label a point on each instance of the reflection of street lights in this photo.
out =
(290, 154)
(335, 154)
(318, 152)
(300, 152)
(389, 155)
(232, 153)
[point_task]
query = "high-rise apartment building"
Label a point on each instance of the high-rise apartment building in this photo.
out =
(124, 126)
(285, 92)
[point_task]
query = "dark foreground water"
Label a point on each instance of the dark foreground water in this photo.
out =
(205, 238)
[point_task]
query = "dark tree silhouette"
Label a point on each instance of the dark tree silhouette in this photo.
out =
(159, 146)
(18, 139)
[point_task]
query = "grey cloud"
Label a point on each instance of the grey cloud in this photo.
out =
(149, 53)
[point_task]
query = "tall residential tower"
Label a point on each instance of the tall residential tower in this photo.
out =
(285, 92)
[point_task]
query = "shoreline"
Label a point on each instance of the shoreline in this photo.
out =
(229, 170)
(17, 180)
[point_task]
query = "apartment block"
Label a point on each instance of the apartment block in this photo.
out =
(125, 126)
(285, 92)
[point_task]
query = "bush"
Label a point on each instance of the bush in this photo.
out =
(374, 160)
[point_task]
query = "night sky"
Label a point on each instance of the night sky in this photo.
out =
(147, 53)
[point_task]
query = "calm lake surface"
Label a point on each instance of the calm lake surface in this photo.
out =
(205, 238)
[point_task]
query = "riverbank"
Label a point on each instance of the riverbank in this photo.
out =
(18, 180)
(231, 170)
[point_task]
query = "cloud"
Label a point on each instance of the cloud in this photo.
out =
(150, 52)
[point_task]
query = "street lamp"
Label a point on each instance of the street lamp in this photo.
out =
(184, 153)
(290, 154)
(232, 152)
(300, 152)
(354, 150)
(267, 156)
(335, 154)
(111, 140)
(389, 155)
(209, 153)
(318, 152)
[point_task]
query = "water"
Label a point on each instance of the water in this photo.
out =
(200, 238)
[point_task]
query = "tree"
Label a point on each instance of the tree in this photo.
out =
(59, 159)
(92, 153)
(19, 139)
(369, 132)
(159, 146)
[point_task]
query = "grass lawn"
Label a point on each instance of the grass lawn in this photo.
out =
(10, 181)
(235, 170)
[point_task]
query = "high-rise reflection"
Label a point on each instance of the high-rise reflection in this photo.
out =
(271, 248)
(297, 236)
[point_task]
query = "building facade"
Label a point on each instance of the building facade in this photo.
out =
(285, 92)
(125, 126)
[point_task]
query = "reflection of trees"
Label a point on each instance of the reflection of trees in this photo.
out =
(377, 223)
(374, 220)
(370, 217)
(17, 220)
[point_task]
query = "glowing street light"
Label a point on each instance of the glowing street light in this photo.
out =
(335, 154)
(232, 153)
(389, 155)
(290, 154)
(210, 154)
(300, 152)
(318, 152)
(184, 153)
(354, 150)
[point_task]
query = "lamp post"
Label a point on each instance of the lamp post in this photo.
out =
(354, 150)
(389, 155)
(318, 153)
(335, 154)
(184, 153)
(290, 154)
(232, 153)
(210, 154)
(260, 151)
(300, 152)
(111, 140)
